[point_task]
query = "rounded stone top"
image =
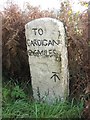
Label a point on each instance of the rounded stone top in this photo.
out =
(45, 19)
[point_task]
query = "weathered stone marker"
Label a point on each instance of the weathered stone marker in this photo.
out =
(47, 51)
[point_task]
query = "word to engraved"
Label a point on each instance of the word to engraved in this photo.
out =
(40, 31)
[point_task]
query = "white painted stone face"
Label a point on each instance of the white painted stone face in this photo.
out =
(47, 51)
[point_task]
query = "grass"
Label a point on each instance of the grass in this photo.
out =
(16, 104)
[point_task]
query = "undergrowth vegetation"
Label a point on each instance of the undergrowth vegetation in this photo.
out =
(16, 104)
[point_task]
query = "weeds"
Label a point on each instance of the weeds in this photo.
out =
(16, 104)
